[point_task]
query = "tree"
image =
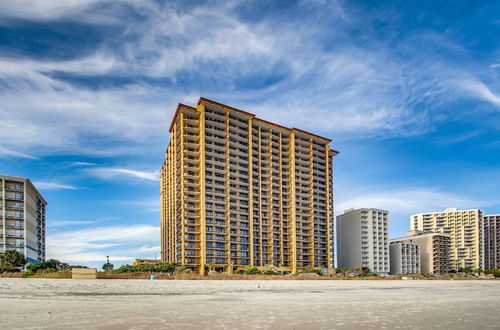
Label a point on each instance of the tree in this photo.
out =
(107, 267)
(366, 271)
(344, 271)
(12, 258)
(357, 270)
(49, 265)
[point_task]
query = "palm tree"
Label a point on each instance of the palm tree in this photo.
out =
(12, 258)
(107, 267)
(357, 270)
(344, 271)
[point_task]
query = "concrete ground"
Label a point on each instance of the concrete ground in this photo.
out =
(145, 304)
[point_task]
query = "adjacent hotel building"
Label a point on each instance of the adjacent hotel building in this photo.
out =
(491, 241)
(22, 211)
(405, 257)
(464, 228)
(362, 240)
(237, 190)
(434, 250)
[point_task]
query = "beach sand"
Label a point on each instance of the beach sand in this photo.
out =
(146, 304)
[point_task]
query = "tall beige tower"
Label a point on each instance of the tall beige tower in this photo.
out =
(22, 214)
(237, 190)
(464, 228)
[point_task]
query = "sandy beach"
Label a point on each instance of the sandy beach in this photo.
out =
(145, 304)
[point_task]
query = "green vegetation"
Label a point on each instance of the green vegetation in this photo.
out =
(107, 267)
(311, 270)
(11, 261)
(160, 267)
(48, 266)
(252, 270)
(344, 271)
(494, 272)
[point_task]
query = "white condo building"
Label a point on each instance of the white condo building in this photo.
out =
(22, 218)
(362, 239)
(405, 257)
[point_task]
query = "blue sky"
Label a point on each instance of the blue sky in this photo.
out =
(408, 91)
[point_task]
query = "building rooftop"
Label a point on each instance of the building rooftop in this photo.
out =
(249, 115)
(22, 179)
(363, 209)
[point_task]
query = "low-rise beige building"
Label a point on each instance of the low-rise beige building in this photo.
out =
(464, 228)
(434, 250)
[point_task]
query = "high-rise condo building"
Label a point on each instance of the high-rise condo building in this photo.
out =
(362, 239)
(22, 210)
(237, 190)
(491, 241)
(434, 250)
(463, 226)
(404, 257)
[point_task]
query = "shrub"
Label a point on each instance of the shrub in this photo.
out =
(12, 258)
(160, 267)
(269, 270)
(311, 270)
(9, 269)
(252, 270)
(51, 264)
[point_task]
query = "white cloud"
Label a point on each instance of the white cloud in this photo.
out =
(83, 164)
(323, 85)
(121, 243)
(480, 90)
(42, 185)
(108, 173)
(408, 201)
(48, 10)
(63, 223)
(12, 153)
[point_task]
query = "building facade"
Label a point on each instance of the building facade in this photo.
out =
(464, 228)
(404, 258)
(22, 210)
(491, 241)
(362, 239)
(237, 190)
(434, 250)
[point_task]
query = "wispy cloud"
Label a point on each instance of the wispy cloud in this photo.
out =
(12, 153)
(63, 223)
(43, 185)
(408, 201)
(124, 173)
(480, 90)
(83, 164)
(93, 244)
(288, 72)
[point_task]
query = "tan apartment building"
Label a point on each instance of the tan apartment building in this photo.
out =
(22, 211)
(434, 250)
(237, 190)
(491, 241)
(464, 228)
(362, 239)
